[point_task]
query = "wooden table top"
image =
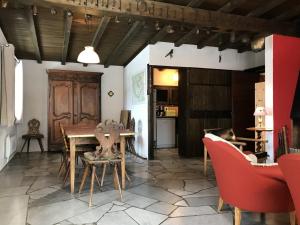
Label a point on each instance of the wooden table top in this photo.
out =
(259, 129)
(73, 132)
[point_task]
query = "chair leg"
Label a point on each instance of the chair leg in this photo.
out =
(205, 162)
(60, 169)
(85, 173)
(41, 145)
(67, 175)
(97, 179)
(220, 205)
(92, 185)
(25, 141)
(118, 181)
(237, 216)
(293, 218)
(28, 143)
(103, 174)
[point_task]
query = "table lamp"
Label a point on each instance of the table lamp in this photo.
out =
(260, 111)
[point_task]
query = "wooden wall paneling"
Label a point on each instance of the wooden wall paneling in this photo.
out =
(243, 98)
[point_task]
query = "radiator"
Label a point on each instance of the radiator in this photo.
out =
(10, 146)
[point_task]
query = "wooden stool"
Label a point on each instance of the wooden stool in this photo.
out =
(33, 133)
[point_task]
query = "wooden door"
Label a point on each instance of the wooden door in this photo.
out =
(74, 99)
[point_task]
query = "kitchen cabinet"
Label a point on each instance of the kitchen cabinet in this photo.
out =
(166, 95)
(166, 133)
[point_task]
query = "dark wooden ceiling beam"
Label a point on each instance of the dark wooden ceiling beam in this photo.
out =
(186, 37)
(207, 41)
(264, 8)
(175, 13)
(289, 14)
(231, 5)
(195, 3)
(33, 33)
(134, 29)
(159, 35)
(100, 31)
(68, 18)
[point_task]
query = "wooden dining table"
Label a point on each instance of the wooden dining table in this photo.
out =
(86, 135)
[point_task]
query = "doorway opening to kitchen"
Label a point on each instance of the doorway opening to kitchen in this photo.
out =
(164, 112)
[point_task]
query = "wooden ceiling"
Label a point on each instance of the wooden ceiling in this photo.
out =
(57, 30)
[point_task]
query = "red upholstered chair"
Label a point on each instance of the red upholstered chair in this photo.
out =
(290, 166)
(245, 186)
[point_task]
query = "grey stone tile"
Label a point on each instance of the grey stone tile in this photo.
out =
(102, 198)
(115, 218)
(137, 200)
(197, 185)
(192, 211)
(179, 192)
(145, 217)
(92, 215)
(155, 193)
(202, 201)
(116, 208)
(218, 219)
(42, 192)
(181, 203)
(56, 212)
(13, 191)
(170, 183)
(13, 210)
(43, 182)
(162, 208)
(204, 193)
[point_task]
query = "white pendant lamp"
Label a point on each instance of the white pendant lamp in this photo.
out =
(88, 55)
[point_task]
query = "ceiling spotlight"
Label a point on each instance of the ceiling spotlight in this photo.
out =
(53, 11)
(157, 26)
(258, 44)
(4, 4)
(117, 19)
(34, 10)
(69, 13)
(170, 29)
(129, 21)
(197, 31)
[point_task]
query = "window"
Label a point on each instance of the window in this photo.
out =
(19, 91)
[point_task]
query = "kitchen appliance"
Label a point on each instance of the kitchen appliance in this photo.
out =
(171, 111)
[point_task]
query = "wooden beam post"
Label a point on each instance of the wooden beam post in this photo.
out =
(195, 3)
(205, 42)
(33, 32)
(264, 8)
(68, 18)
(100, 31)
(135, 28)
(159, 35)
(174, 13)
(186, 37)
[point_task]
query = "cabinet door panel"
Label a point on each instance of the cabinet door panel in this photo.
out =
(60, 108)
(88, 103)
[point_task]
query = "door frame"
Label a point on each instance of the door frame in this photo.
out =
(150, 88)
(70, 75)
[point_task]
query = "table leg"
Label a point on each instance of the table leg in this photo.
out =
(258, 145)
(123, 168)
(72, 164)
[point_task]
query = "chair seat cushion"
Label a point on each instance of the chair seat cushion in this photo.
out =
(91, 156)
(32, 136)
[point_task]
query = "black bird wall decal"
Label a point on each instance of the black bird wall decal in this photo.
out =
(170, 53)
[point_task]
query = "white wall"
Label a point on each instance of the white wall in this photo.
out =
(207, 57)
(269, 119)
(4, 131)
(139, 112)
(36, 94)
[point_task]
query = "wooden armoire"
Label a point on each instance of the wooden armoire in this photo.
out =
(74, 99)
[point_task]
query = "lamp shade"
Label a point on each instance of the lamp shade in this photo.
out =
(88, 55)
(260, 111)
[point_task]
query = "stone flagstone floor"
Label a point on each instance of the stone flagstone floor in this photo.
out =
(168, 191)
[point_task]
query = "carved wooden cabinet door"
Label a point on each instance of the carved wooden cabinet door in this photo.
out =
(74, 99)
(60, 108)
(87, 104)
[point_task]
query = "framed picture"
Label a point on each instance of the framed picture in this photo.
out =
(138, 88)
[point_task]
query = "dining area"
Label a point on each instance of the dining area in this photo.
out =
(99, 146)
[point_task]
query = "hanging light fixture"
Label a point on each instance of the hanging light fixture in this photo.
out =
(88, 55)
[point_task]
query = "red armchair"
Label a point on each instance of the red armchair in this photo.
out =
(245, 186)
(290, 166)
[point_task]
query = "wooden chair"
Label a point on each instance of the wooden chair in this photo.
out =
(33, 133)
(227, 134)
(106, 154)
(65, 163)
(130, 140)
